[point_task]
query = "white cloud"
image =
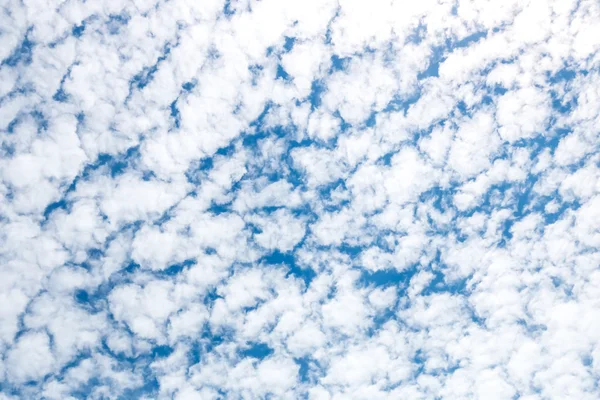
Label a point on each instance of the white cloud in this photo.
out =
(31, 358)
(281, 231)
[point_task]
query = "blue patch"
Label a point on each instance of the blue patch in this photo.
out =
(162, 351)
(85, 265)
(433, 69)
(188, 86)
(84, 390)
(165, 217)
(587, 360)
(419, 360)
(12, 125)
(418, 34)
(294, 176)
(385, 278)
(211, 340)
(338, 63)
(325, 191)
(175, 114)
(95, 254)
(257, 350)
(146, 75)
(40, 119)
(251, 140)
(78, 30)
(564, 75)
(442, 198)
(440, 285)
(194, 355)
(148, 176)
(259, 121)
(352, 251)
(462, 107)
(282, 74)
(304, 364)
(227, 9)
(468, 40)
(60, 96)
(21, 55)
(270, 209)
(226, 151)
(7, 150)
(506, 234)
(74, 362)
(440, 52)
(213, 53)
(117, 165)
(218, 209)
(372, 120)
(210, 297)
(131, 267)
(399, 103)
(288, 260)
(550, 218)
(116, 22)
(317, 88)
(82, 296)
(289, 43)
(328, 32)
(177, 268)
(562, 105)
(194, 172)
(499, 90)
(206, 164)
(255, 71)
(57, 205)
(561, 284)
(486, 100)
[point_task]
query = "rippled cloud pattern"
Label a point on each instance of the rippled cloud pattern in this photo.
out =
(316, 199)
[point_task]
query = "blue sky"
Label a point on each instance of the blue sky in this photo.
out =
(300, 199)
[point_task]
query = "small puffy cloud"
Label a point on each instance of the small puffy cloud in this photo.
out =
(31, 358)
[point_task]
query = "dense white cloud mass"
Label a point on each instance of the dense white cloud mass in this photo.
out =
(300, 199)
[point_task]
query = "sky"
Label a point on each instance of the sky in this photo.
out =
(316, 199)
